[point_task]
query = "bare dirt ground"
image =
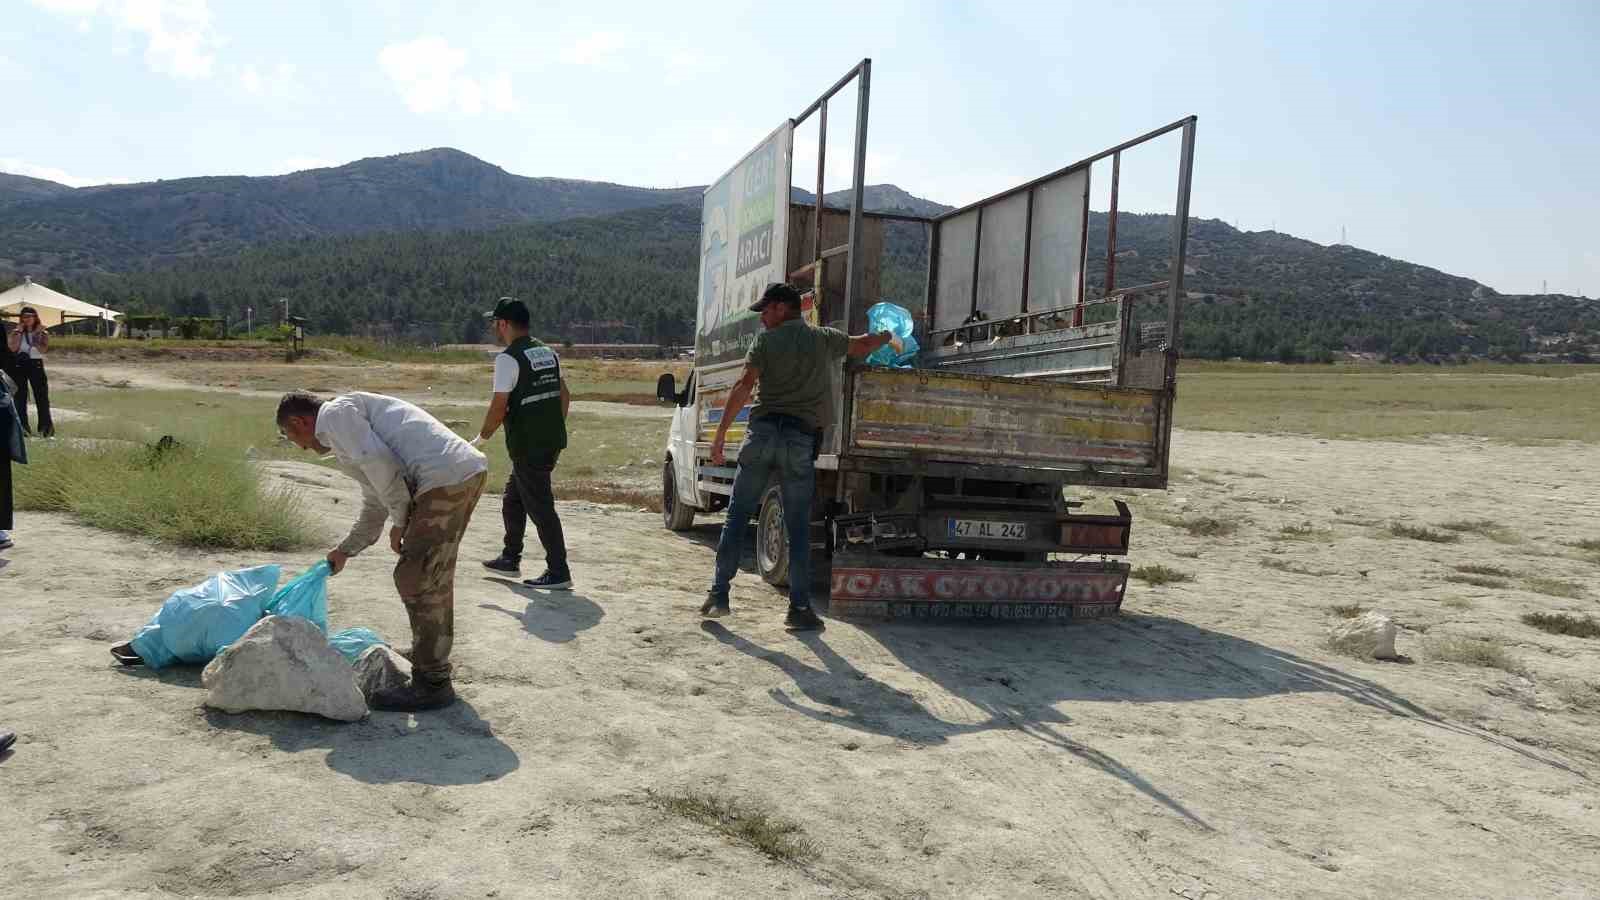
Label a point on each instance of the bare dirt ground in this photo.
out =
(1205, 744)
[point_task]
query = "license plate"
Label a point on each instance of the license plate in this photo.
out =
(994, 531)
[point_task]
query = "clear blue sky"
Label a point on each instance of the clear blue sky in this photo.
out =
(1458, 135)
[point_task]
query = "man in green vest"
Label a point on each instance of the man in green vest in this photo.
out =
(531, 400)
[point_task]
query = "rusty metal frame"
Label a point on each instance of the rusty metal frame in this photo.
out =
(1111, 224)
(1181, 214)
(855, 267)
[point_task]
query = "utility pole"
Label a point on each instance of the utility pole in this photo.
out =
(249, 323)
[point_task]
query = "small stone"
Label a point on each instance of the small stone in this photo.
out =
(1369, 635)
(379, 667)
(284, 662)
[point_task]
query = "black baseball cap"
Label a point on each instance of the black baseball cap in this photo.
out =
(511, 309)
(777, 293)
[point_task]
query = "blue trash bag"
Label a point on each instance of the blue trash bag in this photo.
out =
(897, 319)
(196, 623)
(306, 596)
(352, 642)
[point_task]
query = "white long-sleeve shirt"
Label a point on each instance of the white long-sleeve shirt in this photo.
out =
(395, 451)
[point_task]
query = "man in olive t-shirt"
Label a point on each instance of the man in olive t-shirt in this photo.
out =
(791, 361)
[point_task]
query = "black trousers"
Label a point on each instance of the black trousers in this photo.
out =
(5, 489)
(30, 374)
(528, 495)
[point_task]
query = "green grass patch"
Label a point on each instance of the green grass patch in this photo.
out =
(1591, 545)
(1490, 571)
(1422, 533)
(1488, 528)
(1282, 565)
(1513, 403)
(610, 454)
(1303, 531)
(1488, 654)
(1203, 526)
(1561, 623)
(1554, 587)
(744, 822)
(195, 496)
(383, 351)
(1457, 602)
(1157, 575)
(1479, 581)
(1347, 610)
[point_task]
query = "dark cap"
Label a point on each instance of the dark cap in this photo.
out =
(28, 311)
(777, 293)
(510, 309)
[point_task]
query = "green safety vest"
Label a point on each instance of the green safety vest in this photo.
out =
(533, 415)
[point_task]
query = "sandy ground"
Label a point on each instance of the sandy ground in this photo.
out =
(1205, 744)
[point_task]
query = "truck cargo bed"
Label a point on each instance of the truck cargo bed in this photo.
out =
(1082, 434)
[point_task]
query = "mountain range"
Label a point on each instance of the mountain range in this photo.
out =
(391, 235)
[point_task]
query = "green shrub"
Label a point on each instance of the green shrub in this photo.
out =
(1158, 575)
(1561, 623)
(191, 495)
(1419, 533)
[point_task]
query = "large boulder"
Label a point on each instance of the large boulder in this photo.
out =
(1369, 636)
(379, 668)
(284, 662)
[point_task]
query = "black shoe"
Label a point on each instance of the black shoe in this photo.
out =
(715, 606)
(7, 738)
(549, 582)
(414, 696)
(503, 563)
(801, 618)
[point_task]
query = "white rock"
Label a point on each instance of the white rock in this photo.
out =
(284, 662)
(1369, 635)
(380, 667)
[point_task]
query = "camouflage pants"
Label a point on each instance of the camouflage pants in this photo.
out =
(426, 573)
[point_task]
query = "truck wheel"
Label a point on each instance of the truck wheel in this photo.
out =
(676, 515)
(772, 542)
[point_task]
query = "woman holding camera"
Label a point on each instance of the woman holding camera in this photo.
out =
(28, 343)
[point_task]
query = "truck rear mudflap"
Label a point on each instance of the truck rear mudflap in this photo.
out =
(882, 586)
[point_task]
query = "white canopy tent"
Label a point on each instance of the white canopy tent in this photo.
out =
(54, 308)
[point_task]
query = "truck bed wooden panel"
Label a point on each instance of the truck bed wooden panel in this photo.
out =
(1005, 421)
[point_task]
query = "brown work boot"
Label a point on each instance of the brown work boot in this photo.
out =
(414, 696)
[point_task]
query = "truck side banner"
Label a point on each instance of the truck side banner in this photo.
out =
(744, 229)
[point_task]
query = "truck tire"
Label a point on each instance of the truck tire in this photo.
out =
(677, 515)
(772, 542)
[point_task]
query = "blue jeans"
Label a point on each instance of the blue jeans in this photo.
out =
(781, 445)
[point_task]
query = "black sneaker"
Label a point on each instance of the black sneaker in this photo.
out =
(503, 563)
(715, 607)
(414, 696)
(549, 582)
(801, 618)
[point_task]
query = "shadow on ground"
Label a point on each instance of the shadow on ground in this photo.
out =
(1016, 674)
(176, 676)
(554, 616)
(451, 746)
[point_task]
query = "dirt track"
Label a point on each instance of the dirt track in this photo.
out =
(1205, 744)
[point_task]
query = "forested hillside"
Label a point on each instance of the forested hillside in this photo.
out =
(1257, 295)
(53, 230)
(417, 245)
